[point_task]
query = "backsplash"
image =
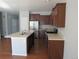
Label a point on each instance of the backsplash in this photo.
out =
(47, 27)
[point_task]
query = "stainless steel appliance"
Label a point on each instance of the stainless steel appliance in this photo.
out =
(34, 25)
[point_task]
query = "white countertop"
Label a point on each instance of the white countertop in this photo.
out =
(19, 34)
(54, 37)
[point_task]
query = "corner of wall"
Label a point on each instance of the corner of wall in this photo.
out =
(61, 31)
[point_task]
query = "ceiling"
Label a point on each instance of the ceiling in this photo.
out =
(31, 5)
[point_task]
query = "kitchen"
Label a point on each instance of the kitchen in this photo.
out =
(39, 27)
(34, 27)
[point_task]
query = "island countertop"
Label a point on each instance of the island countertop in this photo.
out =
(20, 35)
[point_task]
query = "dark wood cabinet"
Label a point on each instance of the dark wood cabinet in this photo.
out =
(45, 19)
(59, 15)
(51, 19)
(30, 42)
(55, 49)
(34, 17)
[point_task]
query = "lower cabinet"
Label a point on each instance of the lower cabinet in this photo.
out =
(55, 49)
(30, 42)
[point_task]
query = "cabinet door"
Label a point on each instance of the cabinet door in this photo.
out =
(55, 49)
(59, 15)
(30, 42)
(51, 19)
(44, 19)
(55, 21)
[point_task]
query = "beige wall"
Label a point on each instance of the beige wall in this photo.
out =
(70, 32)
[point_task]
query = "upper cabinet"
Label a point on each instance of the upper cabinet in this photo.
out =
(45, 19)
(51, 19)
(34, 17)
(58, 15)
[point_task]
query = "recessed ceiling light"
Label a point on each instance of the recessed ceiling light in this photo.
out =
(4, 5)
(47, 0)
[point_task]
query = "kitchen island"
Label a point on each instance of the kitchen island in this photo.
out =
(21, 42)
